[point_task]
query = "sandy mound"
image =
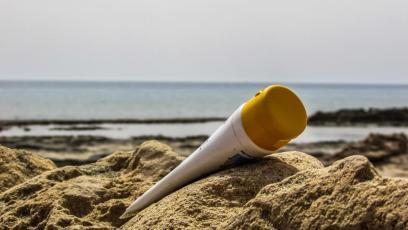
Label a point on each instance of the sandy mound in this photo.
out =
(90, 196)
(289, 190)
(295, 192)
(347, 195)
(16, 166)
(209, 202)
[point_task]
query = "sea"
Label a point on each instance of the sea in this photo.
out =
(69, 100)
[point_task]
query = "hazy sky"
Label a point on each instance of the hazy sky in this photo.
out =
(209, 40)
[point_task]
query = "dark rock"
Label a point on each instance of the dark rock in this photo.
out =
(382, 117)
(377, 147)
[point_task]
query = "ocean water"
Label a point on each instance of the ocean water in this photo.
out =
(113, 100)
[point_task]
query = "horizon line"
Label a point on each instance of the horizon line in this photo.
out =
(199, 82)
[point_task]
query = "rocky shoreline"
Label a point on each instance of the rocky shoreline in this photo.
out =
(342, 117)
(79, 150)
(288, 190)
(387, 152)
(372, 116)
(8, 123)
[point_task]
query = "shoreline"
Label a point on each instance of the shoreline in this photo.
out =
(78, 142)
(84, 149)
(27, 122)
(396, 117)
(128, 131)
(78, 150)
(360, 117)
(386, 152)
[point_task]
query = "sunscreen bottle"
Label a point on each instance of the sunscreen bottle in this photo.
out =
(257, 128)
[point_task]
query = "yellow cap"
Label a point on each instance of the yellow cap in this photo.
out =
(273, 117)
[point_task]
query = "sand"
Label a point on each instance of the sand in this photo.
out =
(17, 166)
(210, 202)
(289, 190)
(90, 196)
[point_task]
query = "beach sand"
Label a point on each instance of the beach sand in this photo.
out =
(288, 190)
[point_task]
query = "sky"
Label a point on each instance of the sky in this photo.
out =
(326, 41)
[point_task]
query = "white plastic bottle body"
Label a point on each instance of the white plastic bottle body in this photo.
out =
(227, 145)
